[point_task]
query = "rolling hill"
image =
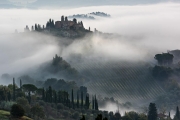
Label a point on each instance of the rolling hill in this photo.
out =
(125, 81)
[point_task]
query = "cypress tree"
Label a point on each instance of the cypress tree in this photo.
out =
(43, 94)
(81, 99)
(29, 97)
(87, 103)
(14, 97)
(64, 97)
(77, 99)
(59, 97)
(72, 97)
(32, 28)
(177, 115)
(93, 102)
(36, 27)
(9, 96)
(52, 24)
(152, 113)
(20, 84)
(67, 100)
(50, 94)
(47, 96)
(55, 97)
(96, 104)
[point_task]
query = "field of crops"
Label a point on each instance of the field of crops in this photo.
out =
(124, 81)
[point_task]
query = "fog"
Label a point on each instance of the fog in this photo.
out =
(143, 30)
(139, 32)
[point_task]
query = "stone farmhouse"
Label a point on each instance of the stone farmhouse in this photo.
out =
(67, 24)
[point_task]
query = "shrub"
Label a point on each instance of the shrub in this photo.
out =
(17, 111)
(60, 106)
(24, 103)
(6, 105)
(75, 115)
(65, 113)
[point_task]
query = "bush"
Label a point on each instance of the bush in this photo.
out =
(17, 111)
(75, 115)
(65, 113)
(41, 103)
(38, 111)
(6, 105)
(24, 103)
(60, 106)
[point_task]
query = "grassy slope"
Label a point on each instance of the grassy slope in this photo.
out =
(122, 80)
(4, 115)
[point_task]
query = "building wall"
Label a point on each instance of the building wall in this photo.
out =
(58, 24)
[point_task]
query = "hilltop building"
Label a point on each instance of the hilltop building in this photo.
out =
(64, 28)
(67, 24)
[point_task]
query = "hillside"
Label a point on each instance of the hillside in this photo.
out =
(125, 81)
(4, 115)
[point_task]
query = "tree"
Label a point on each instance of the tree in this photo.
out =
(17, 111)
(81, 99)
(96, 104)
(83, 118)
(93, 102)
(50, 94)
(23, 102)
(66, 19)
(99, 117)
(164, 58)
(177, 115)
(87, 103)
(20, 84)
(55, 97)
(72, 97)
(36, 27)
(152, 112)
(128, 116)
(9, 96)
(75, 21)
(118, 116)
(77, 99)
(29, 88)
(43, 94)
(37, 112)
(32, 28)
(161, 72)
(14, 97)
(60, 106)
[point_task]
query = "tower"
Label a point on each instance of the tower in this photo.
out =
(62, 18)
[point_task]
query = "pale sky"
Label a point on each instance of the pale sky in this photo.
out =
(72, 3)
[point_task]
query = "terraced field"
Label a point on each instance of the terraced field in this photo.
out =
(124, 81)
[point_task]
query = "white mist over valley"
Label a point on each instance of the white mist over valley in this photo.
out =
(133, 35)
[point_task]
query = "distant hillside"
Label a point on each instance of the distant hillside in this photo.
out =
(125, 81)
(176, 54)
(101, 14)
(82, 16)
(59, 68)
(90, 16)
(5, 115)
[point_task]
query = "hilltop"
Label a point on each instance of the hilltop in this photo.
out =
(61, 28)
(90, 16)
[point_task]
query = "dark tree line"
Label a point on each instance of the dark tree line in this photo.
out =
(50, 24)
(164, 58)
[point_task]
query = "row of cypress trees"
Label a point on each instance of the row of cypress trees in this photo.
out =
(53, 96)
